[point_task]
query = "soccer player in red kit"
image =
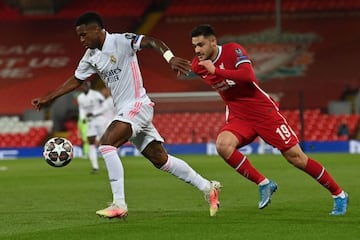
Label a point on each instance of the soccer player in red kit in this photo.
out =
(250, 112)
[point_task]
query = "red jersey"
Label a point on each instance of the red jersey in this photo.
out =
(235, 81)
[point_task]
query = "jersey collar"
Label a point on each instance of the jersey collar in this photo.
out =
(106, 42)
(218, 53)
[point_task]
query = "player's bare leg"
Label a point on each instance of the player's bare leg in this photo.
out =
(300, 160)
(227, 145)
(117, 134)
(156, 153)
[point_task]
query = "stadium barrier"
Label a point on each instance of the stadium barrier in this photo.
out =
(352, 146)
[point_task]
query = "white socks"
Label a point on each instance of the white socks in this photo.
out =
(341, 195)
(93, 156)
(264, 182)
(175, 166)
(183, 171)
(116, 173)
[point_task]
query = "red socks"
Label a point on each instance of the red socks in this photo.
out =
(319, 173)
(242, 165)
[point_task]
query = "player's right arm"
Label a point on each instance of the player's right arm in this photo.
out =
(180, 65)
(71, 84)
(241, 72)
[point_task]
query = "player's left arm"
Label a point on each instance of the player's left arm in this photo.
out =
(243, 73)
(241, 70)
(182, 66)
(71, 84)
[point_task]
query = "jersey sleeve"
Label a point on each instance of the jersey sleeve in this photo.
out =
(133, 40)
(194, 65)
(240, 55)
(196, 68)
(84, 68)
(242, 70)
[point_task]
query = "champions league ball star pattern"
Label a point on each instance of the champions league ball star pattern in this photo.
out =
(58, 152)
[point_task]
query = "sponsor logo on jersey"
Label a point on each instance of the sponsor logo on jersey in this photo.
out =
(220, 86)
(224, 85)
(112, 75)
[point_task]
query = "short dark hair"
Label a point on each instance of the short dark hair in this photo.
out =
(90, 17)
(205, 30)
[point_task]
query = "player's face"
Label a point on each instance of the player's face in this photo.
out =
(90, 35)
(204, 47)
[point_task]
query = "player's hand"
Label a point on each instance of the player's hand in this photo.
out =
(180, 65)
(208, 65)
(39, 103)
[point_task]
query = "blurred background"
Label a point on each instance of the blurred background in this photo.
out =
(305, 54)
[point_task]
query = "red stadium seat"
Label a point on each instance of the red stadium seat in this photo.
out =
(197, 127)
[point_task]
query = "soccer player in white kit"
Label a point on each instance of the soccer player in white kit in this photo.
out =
(113, 58)
(107, 107)
(92, 111)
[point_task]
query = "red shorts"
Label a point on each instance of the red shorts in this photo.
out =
(274, 130)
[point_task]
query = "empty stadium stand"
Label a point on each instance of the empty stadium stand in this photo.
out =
(17, 133)
(42, 51)
(225, 7)
(329, 60)
(38, 52)
(109, 8)
(319, 72)
(203, 127)
(15, 10)
(190, 127)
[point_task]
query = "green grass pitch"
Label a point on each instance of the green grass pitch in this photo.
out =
(41, 202)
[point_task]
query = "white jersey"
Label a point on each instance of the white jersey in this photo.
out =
(89, 103)
(107, 109)
(117, 65)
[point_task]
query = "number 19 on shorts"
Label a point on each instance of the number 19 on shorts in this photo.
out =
(284, 132)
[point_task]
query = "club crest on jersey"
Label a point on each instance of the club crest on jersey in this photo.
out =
(112, 59)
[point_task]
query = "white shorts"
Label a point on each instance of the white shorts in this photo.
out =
(140, 117)
(96, 127)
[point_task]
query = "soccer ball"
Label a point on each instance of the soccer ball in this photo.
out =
(58, 152)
